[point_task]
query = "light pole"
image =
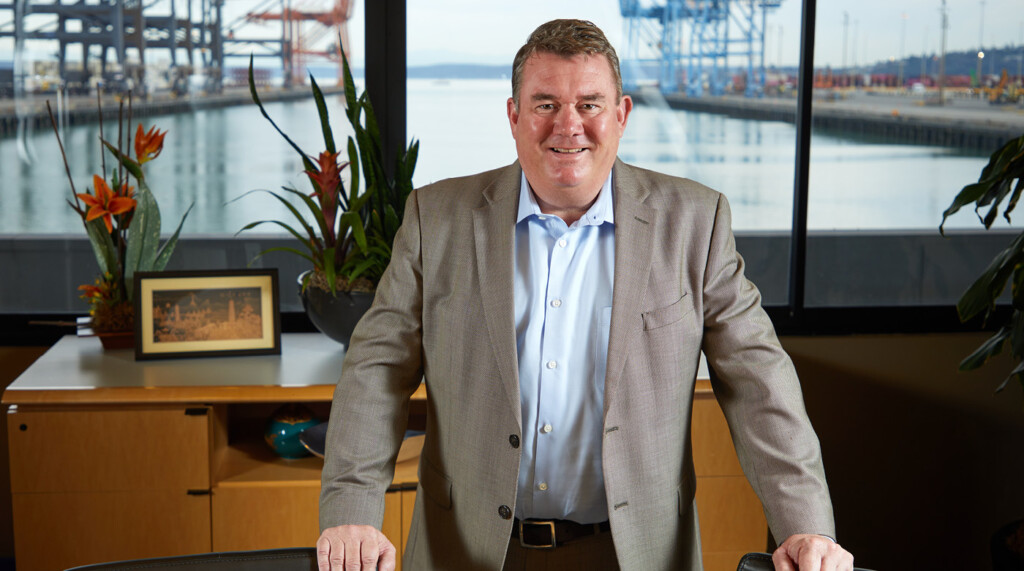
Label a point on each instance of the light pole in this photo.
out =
(981, 42)
(981, 56)
(942, 56)
(903, 49)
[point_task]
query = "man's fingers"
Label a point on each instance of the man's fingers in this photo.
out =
(388, 556)
(782, 561)
(323, 554)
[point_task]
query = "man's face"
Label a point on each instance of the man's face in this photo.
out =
(567, 127)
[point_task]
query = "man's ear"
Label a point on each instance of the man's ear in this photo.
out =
(513, 115)
(622, 112)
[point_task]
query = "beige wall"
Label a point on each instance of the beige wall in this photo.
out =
(924, 462)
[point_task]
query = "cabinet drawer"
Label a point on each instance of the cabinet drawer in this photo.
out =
(58, 531)
(109, 450)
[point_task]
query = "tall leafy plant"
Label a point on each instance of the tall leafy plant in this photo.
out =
(349, 240)
(1001, 179)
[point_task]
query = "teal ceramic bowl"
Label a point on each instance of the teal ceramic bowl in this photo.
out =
(283, 429)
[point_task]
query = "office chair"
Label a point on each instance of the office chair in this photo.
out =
(294, 559)
(763, 562)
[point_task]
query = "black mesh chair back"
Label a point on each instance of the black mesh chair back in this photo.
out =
(763, 562)
(297, 559)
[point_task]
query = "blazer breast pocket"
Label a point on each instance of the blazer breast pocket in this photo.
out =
(665, 316)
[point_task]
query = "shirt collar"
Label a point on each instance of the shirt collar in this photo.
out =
(600, 212)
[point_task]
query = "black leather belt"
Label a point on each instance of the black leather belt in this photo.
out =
(550, 533)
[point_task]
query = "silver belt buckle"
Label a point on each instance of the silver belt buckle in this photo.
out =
(550, 525)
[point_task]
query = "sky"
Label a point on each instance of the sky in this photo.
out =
(490, 32)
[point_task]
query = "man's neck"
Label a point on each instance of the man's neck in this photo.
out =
(569, 214)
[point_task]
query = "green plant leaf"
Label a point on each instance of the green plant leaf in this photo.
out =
(165, 252)
(321, 109)
(309, 166)
(299, 253)
(990, 348)
(982, 294)
(1018, 372)
(102, 245)
(133, 167)
(143, 237)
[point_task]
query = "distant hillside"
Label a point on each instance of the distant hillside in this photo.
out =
(460, 71)
(957, 63)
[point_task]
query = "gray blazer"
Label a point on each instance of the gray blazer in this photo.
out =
(444, 312)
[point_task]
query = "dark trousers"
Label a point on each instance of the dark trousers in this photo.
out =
(593, 553)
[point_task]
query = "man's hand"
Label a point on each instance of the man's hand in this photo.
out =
(354, 548)
(811, 553)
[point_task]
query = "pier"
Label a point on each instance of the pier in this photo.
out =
(79, 110)
(962, 122)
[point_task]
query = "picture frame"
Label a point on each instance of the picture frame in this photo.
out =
(206, 313)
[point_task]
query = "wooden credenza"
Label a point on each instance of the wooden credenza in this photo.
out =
(114, 459)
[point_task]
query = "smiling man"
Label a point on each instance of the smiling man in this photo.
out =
(556, 309)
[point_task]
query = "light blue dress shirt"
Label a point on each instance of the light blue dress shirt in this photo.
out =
(563, 306)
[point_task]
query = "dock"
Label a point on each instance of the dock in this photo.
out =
(895, 118)
(83, 109)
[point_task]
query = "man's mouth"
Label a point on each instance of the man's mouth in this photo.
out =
(567, 151)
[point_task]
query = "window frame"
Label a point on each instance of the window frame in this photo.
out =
(385, 23)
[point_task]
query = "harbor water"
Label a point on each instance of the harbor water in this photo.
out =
(213, 157)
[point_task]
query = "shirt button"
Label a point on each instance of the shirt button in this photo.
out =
(514, 441)
(542, 487)
(542, 218)
(562, 243)
(552, 364)
(556, 303)
(505, 512)
(546, 428)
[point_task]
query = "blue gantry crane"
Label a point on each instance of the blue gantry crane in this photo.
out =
(691, 45)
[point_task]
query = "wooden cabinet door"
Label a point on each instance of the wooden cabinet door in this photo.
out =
(732, 521)
(109, 450)
(60, 530)
(95, 485)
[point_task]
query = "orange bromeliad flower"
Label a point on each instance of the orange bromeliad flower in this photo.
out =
(148, 145)
(329, 176)
(327, 179)
(106, 202)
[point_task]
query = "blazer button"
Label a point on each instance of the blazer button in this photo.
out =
(514, 440)
(505, 512)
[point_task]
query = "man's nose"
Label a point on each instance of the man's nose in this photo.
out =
(568, 121)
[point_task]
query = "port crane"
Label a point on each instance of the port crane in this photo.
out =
(689, 45)
(304, 24)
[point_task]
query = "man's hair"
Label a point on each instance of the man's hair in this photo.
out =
(566, 38)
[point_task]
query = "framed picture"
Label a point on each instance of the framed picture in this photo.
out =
(206, 313)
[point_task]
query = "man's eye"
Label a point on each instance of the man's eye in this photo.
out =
(545, 107)
(588, 107)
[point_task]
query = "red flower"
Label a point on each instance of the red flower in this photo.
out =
(106, 202)
(148, 145)
(327, 180)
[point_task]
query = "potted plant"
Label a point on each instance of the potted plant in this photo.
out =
(346, 234)
(123, 225)
(1002, 178)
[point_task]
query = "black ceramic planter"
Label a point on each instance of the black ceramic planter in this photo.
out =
(335, 315)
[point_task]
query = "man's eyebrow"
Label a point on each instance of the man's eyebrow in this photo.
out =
(549, 97)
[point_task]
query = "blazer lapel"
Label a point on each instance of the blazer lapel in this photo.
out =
(634, 234)
(494, 241)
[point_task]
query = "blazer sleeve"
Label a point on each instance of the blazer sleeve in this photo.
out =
(757, 386)
(381, 370)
